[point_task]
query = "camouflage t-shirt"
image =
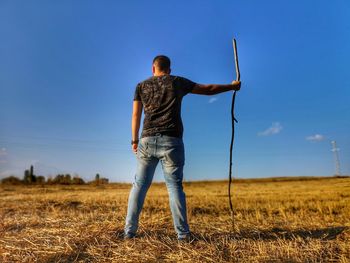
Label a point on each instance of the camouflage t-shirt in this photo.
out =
(161, 98)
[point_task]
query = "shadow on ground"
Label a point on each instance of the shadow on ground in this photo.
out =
(328, 233)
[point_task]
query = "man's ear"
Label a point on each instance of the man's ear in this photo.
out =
(153, 69)
(169, 70)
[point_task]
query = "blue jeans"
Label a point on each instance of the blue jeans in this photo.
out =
(170, 152)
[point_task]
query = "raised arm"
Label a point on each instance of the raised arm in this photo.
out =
(135, 123)
(212, 89)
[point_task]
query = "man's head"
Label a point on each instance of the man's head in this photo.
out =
(161, 65)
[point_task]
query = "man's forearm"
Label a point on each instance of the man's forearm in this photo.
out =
(212, 89)
(135, 127)
(136, 119)
(218, 88)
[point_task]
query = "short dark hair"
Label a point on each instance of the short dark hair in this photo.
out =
(162, 63)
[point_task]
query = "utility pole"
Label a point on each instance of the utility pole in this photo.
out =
(335, 150)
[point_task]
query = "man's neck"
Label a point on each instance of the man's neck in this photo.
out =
(159, 74)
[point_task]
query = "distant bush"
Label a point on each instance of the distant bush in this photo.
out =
(66, 179)
(77, 180)
(98, 180)
(29, 178)
(13, 180)
(40, 179)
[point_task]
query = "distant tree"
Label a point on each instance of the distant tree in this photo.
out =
(26, 177)
(29, 176)
(104, 181)
(32, 176)
(67, 179)
(13, 180)
(77, 180)
(99, 181)
(59, 179)
(40, 179)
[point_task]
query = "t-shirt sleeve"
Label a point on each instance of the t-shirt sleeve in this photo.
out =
(137, 95)
(186, 85)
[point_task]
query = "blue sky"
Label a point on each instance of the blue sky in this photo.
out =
(68, 71)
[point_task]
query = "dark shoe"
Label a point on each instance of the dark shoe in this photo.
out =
(187, 239)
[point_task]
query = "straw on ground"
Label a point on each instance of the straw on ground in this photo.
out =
(295, 221)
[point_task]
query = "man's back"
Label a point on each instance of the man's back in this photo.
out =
(161, 97)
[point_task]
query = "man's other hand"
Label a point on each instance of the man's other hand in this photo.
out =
(236, 84)
(134, 147)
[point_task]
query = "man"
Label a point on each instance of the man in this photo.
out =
(161, 140)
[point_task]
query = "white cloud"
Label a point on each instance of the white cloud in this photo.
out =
(315, 138)
(213, 99)
(275, 128)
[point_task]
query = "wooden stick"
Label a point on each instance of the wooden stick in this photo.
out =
(233, 119)
(238, 74)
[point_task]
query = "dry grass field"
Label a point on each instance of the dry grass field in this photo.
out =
(283, 221)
